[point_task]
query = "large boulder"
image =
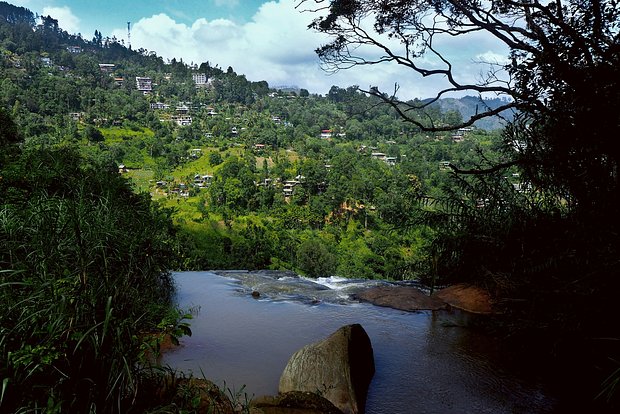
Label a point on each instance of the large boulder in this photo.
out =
(339, 368)
(467, 297)
(405, 298)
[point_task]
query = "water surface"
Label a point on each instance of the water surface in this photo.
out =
(425, 362)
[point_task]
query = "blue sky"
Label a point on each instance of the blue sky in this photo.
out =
(264, 40)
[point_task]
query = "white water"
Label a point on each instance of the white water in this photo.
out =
(424, 363)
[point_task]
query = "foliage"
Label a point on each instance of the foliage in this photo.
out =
(553, 239)
(84, 270)
(314, 259)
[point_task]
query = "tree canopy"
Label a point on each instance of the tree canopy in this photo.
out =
(558, 234)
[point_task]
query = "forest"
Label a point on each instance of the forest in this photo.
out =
(117, 167)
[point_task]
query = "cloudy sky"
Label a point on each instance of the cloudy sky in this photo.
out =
(264, 40)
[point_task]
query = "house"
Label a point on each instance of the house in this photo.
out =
(458, 137)
(107, 67)
(182, 120)
(259, 147)
(378, 156)
(144, 84)
(202, 180)
(200, 79)
(182, 109)
(195, 153)
(265, 183)
(444, 165)
(159, 105)
(391, 161)
(288, 189)
(47, 62)
(75, 116)
(118, 80)
(326, 133)
(74, 49)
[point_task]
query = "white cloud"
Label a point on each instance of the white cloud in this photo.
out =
(66, 19)
(276, 46)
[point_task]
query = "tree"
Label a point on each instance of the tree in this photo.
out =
(93, 134)
(315, 259)
(559, 236)
(562, 75)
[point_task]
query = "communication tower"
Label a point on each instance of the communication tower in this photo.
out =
(129, 34)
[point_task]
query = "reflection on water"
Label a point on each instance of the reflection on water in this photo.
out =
(425, 362)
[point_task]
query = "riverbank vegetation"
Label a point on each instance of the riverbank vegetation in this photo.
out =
(108, 183)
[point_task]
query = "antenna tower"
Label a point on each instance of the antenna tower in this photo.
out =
(129, 34)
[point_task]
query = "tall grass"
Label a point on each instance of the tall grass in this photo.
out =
(83, 278)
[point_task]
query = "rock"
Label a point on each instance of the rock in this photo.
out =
(255, 294)
(466, 297)
(211, 398)
(405, 298)
(338, 368)
(294, 402)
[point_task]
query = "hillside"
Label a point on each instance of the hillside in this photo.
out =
(469, 106)
(256, 175)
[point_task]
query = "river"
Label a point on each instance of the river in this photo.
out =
(426, 362)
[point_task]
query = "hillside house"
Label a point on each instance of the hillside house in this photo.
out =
(182, 109)
(378, 156)
(391, 161)
(458, 137)
(200, 79)
(182, 120)
(144, 84)
(326, 133)
(159, 105)
(202, 180)
(265, 183)
(288, 189)
(107, 67)
(119, 80)
(74, 49)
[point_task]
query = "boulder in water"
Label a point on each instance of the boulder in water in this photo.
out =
(338, 368)
(405, 298)
(466, 297)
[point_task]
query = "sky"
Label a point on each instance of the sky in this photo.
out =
(263, 40)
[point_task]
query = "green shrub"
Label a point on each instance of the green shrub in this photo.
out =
(83, 276)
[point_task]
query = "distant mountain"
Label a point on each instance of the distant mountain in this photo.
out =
(468, 106)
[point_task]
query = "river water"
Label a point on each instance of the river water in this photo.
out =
(426, 362)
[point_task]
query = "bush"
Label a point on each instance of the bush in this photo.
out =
(83, 264)
(315, 260)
